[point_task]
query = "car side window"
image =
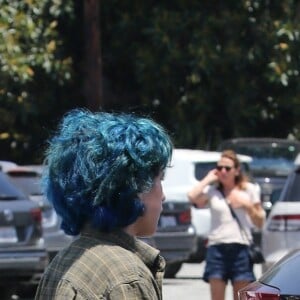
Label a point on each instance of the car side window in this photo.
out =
(293, 189)
(202, 168)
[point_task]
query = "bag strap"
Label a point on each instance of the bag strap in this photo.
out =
(234, 215)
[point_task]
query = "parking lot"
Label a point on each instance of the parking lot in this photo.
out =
(188, 284)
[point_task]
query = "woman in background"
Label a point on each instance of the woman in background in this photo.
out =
(227, 255)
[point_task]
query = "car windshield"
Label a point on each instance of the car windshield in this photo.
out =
(7, 190)
(268, 158)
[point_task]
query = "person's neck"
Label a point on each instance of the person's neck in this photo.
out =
(228, 188)
(130, 229)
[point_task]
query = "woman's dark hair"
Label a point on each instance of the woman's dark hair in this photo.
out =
(96, 165)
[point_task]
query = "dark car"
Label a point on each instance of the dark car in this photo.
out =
(273, 159)
(23, 257)
(175, 236)
(280, 282)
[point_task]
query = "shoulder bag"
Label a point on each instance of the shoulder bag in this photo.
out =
(254, 250)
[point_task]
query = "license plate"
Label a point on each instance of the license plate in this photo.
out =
(167, 221)
(8, 235)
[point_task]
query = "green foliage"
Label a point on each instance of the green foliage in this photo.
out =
(34, 67)
(29, 39)
(208, 69)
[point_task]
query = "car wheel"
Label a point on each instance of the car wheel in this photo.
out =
(172, 269)
(196, 258)
(199, 255)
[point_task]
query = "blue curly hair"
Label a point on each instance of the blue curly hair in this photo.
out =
(96, 165)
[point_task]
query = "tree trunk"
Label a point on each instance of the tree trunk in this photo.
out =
(92, 62)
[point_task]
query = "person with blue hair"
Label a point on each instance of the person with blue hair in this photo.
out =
(103, 175)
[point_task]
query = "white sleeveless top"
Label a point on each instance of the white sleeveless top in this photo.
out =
(224, 228)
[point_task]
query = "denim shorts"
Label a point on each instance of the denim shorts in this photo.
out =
(228, 262)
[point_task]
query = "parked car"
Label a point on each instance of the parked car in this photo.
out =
(27, 178)
(6, 164)
(273, 159)
(187, 167)
(175, 236)
(23, 257)
(278, 283)
(281, 232)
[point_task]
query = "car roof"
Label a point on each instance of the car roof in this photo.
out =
(261, 140)
(181, 174)
(6, 164)
(197, 155)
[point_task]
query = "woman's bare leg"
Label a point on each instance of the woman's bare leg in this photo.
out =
(237, 285)
(217, 289)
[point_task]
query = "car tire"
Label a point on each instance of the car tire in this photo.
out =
(196, 258)
(199, 255)
(172, 269)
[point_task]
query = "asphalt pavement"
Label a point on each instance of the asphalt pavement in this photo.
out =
(188, 284)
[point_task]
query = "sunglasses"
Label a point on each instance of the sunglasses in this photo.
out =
(227, 168)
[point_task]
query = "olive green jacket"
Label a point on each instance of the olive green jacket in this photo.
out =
(101, 265)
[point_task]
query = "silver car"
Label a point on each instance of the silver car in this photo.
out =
(175, 236)
(281, 232)
(27, 178)
(280, 282)
(23, 257)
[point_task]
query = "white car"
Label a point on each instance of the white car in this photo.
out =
(187, 167)
(281, 232)
(6, 165)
